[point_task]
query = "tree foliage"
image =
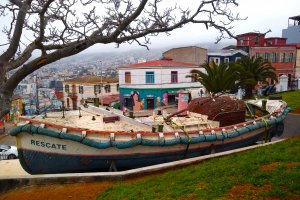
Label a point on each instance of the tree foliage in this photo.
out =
(246, 72)
(217, 78)
(253, 70)
(61, 28)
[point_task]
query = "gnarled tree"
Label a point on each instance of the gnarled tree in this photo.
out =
(61, 28)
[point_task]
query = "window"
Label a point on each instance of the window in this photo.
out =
(97, 88)
(127, 77)
(149, 77)
(174, 77)
(256, 40)
(237, 58)
(290, 57)
(215, 59)
(257, 55)
(242, 42)
(118, 86)
(67, 89)
(266, 57)
(282, 57)
(194, 77)
(274, 57)
(107, 88)
(226, 60)
(80, 89)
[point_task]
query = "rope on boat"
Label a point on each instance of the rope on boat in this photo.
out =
(277, 122)
(170, 122)
(267, 132)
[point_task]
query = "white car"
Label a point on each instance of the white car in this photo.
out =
(8, 152)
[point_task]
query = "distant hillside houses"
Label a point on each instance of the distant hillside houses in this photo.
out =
(89, 88)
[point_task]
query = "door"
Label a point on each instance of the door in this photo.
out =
(74, 102)
(150, 103)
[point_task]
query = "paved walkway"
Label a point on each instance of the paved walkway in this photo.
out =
(291, 126)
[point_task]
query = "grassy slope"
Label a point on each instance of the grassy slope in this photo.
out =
(272, 171)
(291, 98)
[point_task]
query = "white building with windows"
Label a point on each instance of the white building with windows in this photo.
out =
(155, 83)
(88, 89)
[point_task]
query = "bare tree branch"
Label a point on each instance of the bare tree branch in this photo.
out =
(60, 29)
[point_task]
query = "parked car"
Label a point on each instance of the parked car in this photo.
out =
(8, 152)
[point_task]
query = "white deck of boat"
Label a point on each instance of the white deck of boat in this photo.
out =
(72, 119)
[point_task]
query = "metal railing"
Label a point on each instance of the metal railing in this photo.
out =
(72, 94)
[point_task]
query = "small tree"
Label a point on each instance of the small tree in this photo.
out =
(217, 78)
(253, 70)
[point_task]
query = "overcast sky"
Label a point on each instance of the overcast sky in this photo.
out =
(262, 16)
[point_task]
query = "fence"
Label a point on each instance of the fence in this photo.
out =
(294, 85)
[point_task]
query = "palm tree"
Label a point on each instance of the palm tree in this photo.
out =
(217, 78)
(252, 70)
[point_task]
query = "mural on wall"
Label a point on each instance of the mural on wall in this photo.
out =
(158, 102)
(165, 99)
(136, 103)
(131, 102)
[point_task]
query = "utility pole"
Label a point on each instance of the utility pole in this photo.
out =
(37, 103)
(101, 95)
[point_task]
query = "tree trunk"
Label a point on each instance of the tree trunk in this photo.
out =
(5, 102)
(248, 91)
(5, 95)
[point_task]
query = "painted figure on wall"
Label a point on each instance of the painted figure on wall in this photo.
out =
(165, 99)
(158, 102)
(136, 103)
(201, 92)
(142, 104)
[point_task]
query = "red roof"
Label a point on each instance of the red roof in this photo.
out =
(111, 98)
(161, 63)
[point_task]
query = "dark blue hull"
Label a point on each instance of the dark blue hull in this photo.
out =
(35, 162)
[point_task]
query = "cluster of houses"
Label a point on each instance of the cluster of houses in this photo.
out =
(154, 83)
(150, 84)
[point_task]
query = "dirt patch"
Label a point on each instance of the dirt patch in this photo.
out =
(269, 167)
(202, 185)
(296, 110)
(291, 165)
(247, 192)
(188, 197)
(58, 192)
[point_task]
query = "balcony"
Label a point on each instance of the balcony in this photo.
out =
(72, 94)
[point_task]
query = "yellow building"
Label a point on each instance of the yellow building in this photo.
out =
(298, 62)
(16, 108)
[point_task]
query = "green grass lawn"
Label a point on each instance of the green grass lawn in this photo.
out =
(291, 98)
(267, 172)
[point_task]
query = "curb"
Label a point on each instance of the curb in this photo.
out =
(13, 182)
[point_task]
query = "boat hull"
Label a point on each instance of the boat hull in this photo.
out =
(40, 154)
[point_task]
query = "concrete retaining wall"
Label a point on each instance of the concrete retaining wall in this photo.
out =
(19, 181)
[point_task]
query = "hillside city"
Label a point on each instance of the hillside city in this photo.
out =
(72, 81)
